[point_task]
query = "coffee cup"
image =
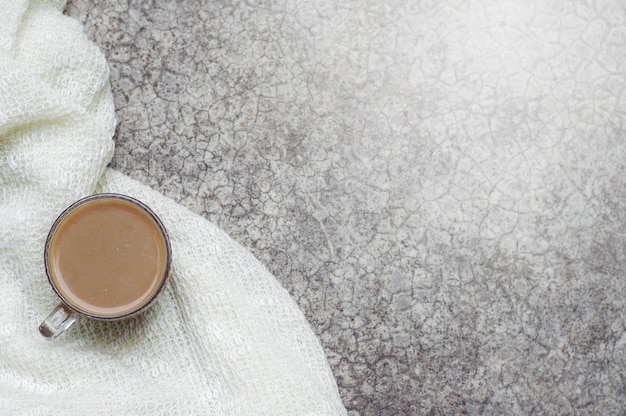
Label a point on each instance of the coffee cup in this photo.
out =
(107, 257)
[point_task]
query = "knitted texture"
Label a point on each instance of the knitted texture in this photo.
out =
(223, 338)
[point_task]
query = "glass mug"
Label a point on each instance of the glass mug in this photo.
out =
(107, 257)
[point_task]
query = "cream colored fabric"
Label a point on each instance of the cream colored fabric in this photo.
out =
(224, 338)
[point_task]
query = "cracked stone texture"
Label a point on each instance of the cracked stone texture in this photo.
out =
(439, 184)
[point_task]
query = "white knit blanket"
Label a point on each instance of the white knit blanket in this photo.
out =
(224, 338)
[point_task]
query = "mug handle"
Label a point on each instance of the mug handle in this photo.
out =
(57, 322)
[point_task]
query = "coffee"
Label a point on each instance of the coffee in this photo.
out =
(107, 257)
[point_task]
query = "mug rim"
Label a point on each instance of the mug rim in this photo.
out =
(162, 281)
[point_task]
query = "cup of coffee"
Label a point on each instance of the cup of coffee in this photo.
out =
(107, 257)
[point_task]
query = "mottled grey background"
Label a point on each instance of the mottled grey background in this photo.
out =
(439, 184)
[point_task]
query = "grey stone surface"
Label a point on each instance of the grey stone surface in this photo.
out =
(439, 184)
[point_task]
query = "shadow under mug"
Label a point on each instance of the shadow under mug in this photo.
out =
(107, 257)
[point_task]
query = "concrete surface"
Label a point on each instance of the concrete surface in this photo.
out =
(439, 184)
